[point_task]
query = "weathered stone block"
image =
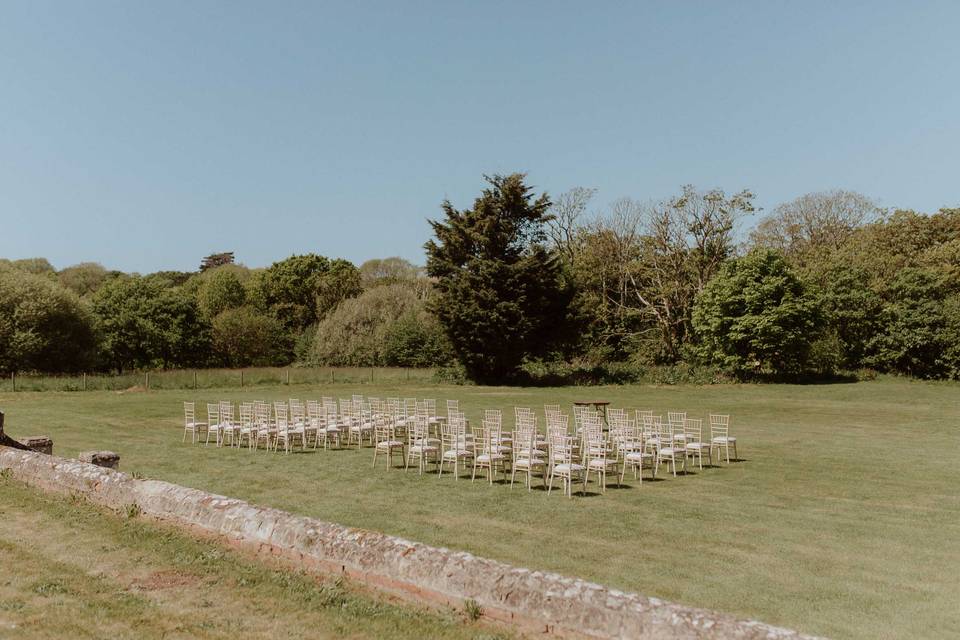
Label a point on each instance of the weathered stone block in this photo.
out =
(106, 459)
(40, 444)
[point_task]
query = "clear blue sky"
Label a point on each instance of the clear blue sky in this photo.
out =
(145, 135)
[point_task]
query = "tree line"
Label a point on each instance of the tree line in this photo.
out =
(305, 308)
(523, 287)
(826, 284)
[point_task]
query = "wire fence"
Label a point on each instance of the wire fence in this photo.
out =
(215, 378)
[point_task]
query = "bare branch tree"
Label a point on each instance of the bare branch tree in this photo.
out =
(568, 211)
(651, 261)
(814, 222)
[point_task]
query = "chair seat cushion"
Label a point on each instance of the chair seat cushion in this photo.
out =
(389, 444)
(420, 448)
(568, 467)
(724, 440)
(671, 451)
(601, 463)
(486, 457)
(527, 463)
(450, 454)
(696, 446)
(637, 456)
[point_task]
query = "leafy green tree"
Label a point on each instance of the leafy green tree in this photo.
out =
(386, 325)
(916, 331)
(299, 290)
(36, 266)
(815, 224)
(755, 316)
(340, 281)
(851, 310)
(416, 339)
(84, 278)
(43, 326)
(169, 279)
(387, 271)
(220, 289)
(144, 324)
(500, 297)
(244, 337)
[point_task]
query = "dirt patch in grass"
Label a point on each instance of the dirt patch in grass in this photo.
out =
(166, 579)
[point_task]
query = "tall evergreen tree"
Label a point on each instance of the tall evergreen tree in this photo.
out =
(501, 295)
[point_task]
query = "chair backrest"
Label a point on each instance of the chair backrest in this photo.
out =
(665, 436)
(297, 412)
(676, 419)
(524, 443)
(431, 407)
(693, 429)
(188, 413)
(261, 412)
(558, 421)
(281, 416)
(418, 431)
(561, 449)
(493, 416)
(383, 429)
(651, 424)
(596, 445)
(213, 413)
(246, 414)
(454, 433)
(226, 412)
(453, 406)
(719, 425)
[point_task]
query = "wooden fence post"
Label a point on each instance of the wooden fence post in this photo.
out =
(333, 377)
(288, 377)
(13, 380)
(241, 378)
(84, 381)
(194, 379)
(147, 380)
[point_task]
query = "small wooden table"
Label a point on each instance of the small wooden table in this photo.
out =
(600, 406)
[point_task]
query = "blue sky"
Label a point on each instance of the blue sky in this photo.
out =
(147, 135)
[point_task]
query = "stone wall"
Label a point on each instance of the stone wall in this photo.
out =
(531, 600)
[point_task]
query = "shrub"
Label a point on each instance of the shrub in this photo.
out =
(221, 289)
(756, 317)
(43, 326)
(386, 325)
(246, 337)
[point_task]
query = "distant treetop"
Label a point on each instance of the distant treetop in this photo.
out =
(216, 260)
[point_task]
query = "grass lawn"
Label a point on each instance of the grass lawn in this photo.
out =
(71, 570)
(843, 519)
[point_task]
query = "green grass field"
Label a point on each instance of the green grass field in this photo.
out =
(842, 519)
(71, 570)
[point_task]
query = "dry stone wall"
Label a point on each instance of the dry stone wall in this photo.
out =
(532, 600)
